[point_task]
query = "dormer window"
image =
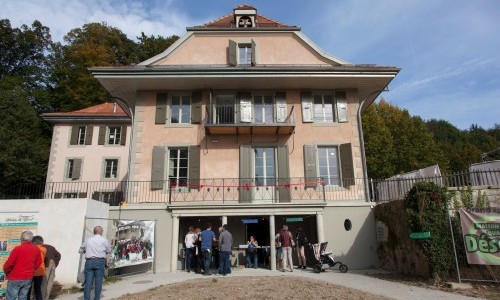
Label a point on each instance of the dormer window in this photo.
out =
(245, 22)
(245, 17)
(245, 54)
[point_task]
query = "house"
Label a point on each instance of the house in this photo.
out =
(90, 145)
(245, 121)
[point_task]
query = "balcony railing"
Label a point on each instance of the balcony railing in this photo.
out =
(215, 191)
(260, 119)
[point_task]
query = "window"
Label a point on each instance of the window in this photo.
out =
(265, 169)
(242, 53)
(114, 135)
(324, 107)
(180, 109)
(264, 109)
(110, 168)
(81, 135)
(73, 168)
(333, 164)
(329, 165)
(178, 167)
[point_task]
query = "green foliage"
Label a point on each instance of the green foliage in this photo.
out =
(457, 204)
(150, 46)
(482, 200)
(427, 209)
(467, 197)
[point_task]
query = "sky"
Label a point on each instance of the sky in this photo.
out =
(448, 50)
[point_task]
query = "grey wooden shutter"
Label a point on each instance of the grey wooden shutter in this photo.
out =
(89, 131)
(123, 136)
(340, 98)
(281, 107)
(196, 107)
(102, 135)
(233, 53)
(161, 108)
(346, 165)
(254, 53)
(194, 167)
(311, 175)
(307, 107)
(245, 174)
(283, 174)
(77, 168)
(158, 168)
(74, 135)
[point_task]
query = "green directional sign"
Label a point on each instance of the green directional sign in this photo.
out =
(420, 235)
(295, 219)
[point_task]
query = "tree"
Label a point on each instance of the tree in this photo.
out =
(23, 150)
(150, 46)
(95, 44)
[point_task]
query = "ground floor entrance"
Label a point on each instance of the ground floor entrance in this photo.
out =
(262, 227)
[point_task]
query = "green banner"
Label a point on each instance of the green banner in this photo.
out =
(420, 235)
(481, 233)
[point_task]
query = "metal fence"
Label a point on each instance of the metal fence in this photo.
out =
(223, 190)
(396, 188)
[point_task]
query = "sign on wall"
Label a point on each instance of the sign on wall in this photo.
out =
(481, 233)
(12, 224)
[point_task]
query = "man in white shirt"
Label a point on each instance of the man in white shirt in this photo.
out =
(95, 249)
(189, 240)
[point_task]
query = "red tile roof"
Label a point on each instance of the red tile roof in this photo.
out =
(105, 109)
(228, 21)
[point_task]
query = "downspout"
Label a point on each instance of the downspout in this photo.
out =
(363, 157)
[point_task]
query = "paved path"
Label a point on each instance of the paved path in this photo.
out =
(353, 279)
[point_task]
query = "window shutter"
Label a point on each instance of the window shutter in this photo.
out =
(102, 135)
(158, 168)
(307, 107)
(281, 107)
(346, 165)
(283, 174)
(194, 167)
(74, 135)
(57, 195)
(96, 196)
(82, 195)
(77, 168)
(245, 107)
(123, 135)
(254, 53)
(340, 98)
(161, 108)
(233, 53)
(311, 175)
(196, 107)
(89, 131)
(245, 174)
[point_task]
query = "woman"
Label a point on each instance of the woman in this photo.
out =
(301, 242)
(198, 254)
(190, 250)
(252, 252)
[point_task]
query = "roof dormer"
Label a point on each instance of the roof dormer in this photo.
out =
(245, 16)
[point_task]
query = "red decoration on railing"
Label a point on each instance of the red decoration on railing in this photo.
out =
(247, 186)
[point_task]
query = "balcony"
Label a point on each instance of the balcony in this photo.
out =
(220, 191)
(240, 119)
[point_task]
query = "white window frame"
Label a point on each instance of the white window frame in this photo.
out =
(117, 135)
(183, 97)
(244, 54)
(82, 130)
(113, 166)
(264, 116)
(319, 148)
(173, 171)
(323, 108)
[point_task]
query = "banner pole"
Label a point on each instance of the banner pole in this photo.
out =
(454, 247)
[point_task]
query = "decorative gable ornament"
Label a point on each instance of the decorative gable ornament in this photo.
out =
(245, 17)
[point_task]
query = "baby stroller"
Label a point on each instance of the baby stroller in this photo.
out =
(324, 259)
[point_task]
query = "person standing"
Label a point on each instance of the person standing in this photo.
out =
(95, 249)
(301, 243)
(225, 248)
(279, 252)
(286, 246)
(190, 249)
(52, 258)
(207, 237)
(20, 266)
(39, 273)
(252, 252)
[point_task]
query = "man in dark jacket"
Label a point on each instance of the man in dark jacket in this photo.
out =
(52, 258)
